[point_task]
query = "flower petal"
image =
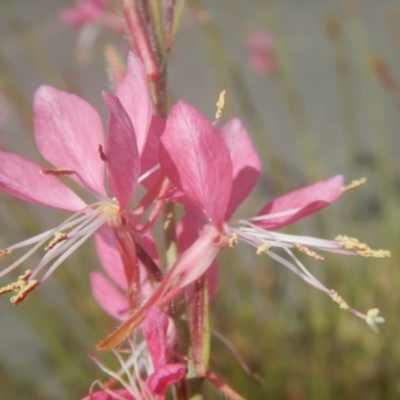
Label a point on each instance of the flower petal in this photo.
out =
(166, 376)
(109, 256)
(68, 131)
(122, 153)
(190, 265)
(103, 395)
(245, 161)
(134, 96)
(109, 298)
(149, 157)
(188, 231)
(20, 178)
(154, 330)
(195, 158)
(300, 203)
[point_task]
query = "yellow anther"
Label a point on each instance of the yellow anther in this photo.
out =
(4, 252)
(309, 252)
(362, 249)
(8, 288)
(23, 293)
(353, 185)
(233, 240)
(25, 276)
(263, 248)
(58, 237)
(22, 287)
(339, 299)
(220, 104)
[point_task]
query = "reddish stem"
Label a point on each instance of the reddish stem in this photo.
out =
(169, 19)
(139, 33)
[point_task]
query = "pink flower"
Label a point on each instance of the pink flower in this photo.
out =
(147, 371)
(89, 17)
(69, 134)
(87, 12)
(216, 171)
(260, 49)
(155, 331)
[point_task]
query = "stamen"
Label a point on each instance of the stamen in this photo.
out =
(220, 105)
(355, 184)
(102, 155)
(58, 237)
(263, 248)
(67, 248)
(23, 293)
(56, 171)
(373, 318)
(22, 287)
(4, 252)
(233, 240)
(39, 240)
(362, 249)
(339, 299)
(309, 252)
(93, 217)
(148, 173)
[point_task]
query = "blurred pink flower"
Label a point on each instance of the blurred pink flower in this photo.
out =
(90, 17)
(93, 12)
(260, 50)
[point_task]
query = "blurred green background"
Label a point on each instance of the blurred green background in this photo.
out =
(331, 106)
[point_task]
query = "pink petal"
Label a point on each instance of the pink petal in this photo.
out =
(79, 15)
(122, 153)
(154, 330)
(245, 161)
(109, 256)
(134, 96)
(196, 260)
(150, 158)
(68, 131)
(189, 230)
(20, 178)
(103, 395)
(189, 266)
(108, 296)
(260, 49)
(166, 376)
(195, 158)
(301, 203)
